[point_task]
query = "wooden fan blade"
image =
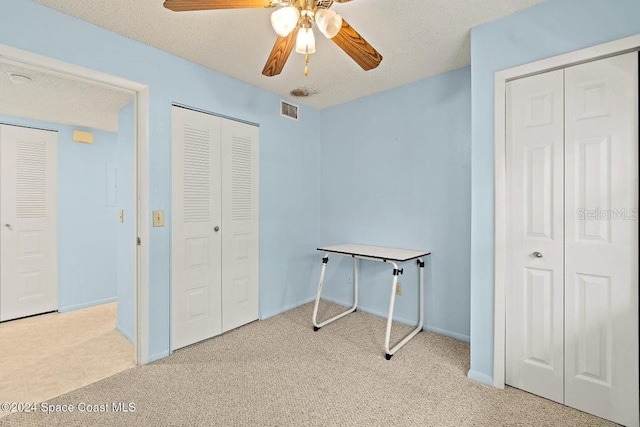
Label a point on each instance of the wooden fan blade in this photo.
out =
(189, 5)
(279, 54)
(357, 48)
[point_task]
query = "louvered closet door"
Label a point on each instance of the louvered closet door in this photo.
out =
(196, 247)
(28, 211)
(601, 255)
(239, 224)
(534, 291)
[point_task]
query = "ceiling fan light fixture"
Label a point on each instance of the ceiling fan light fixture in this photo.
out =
(284, 20)
(306, 41)
(328, 22)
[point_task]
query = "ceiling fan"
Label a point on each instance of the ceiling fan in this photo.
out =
(293, 21)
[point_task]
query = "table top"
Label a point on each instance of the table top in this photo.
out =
(377, 252)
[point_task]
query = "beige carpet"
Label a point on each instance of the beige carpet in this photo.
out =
(279, 372)
(44, 356)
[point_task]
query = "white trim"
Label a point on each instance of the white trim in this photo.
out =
(59, 68)
(211, 113)
(141, 92)
(500, 230)
(616, 47)
(141, 320)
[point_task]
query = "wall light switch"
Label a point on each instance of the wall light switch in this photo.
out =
(158, 218)
(121, 216)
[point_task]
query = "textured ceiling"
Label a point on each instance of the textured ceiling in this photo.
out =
(57, 99)
(418, 39)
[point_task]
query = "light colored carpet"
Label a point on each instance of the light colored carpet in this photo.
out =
(279, 372)
(44, 356)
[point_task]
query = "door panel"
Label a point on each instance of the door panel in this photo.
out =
(538, 317)
(196, 258)
(28, 211)
(592, 183)
(534, 284)
(538, 200)
(593, 340)
(601, 270)
(240, 224)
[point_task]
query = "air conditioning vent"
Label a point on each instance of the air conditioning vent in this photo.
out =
(288, 110)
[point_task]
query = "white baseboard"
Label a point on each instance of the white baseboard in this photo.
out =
(87, 304)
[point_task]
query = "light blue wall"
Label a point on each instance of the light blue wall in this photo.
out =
(289, 151)
(126, 231)
(396, 172)
(551, 28)
(86, 224)
(289, 180)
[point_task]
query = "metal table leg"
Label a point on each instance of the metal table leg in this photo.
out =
(317, 325)
(396, 272)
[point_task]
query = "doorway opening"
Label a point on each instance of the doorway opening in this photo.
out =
(95, 324)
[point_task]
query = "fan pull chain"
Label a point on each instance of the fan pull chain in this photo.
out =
(306, 64)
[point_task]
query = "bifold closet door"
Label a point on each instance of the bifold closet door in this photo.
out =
(196, 243)
(214, 227)
(534, 293)
(239, 224)
(28, 215)
(572, 289)
(601, 238)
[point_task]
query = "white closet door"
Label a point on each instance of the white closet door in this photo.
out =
(28, 211)
(239, 224)
(534, 288)
(601, 271)
(196, 258)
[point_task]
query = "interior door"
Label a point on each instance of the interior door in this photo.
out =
(601, 270)
(196, 246)
(28, 218)
(240, 224)
(534, 292)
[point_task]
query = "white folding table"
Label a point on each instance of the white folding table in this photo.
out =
(381, 254)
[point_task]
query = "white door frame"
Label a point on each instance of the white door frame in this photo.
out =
(617, 47)
(141, 109)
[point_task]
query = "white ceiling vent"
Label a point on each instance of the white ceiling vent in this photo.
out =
(288, 110)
